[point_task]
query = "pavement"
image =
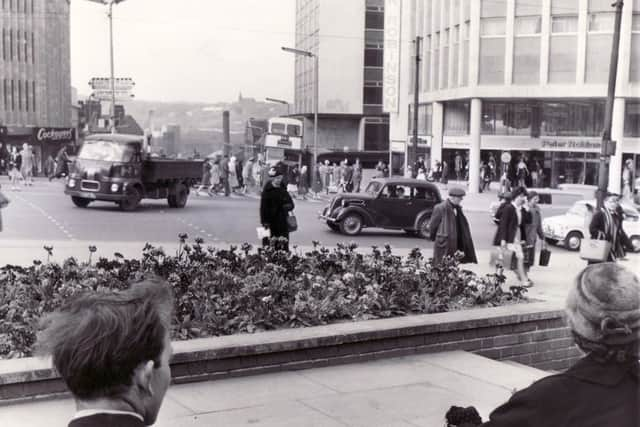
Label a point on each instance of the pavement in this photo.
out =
(407, 391)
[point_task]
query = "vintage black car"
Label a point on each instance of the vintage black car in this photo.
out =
(391, 203)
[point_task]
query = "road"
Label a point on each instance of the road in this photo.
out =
(44, 213)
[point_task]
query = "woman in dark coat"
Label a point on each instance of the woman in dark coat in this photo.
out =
(606, 224)
(450, 231)
(275, 205)
(603, 388)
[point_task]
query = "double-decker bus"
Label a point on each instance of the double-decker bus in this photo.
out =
(284, 140)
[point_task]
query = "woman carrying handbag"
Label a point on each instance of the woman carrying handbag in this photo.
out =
(275, 207)
(606, 226)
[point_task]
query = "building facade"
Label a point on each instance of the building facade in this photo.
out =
(523, 77)
(35, 77)
(347, 37)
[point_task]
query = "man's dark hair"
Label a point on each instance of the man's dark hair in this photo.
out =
(520, 191)
(98, 339)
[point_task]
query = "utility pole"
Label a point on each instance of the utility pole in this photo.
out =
(416, 101)
(113, 82)
(608, 147)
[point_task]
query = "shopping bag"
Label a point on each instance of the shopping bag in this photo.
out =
(292, 223)
(545, 255)
(500, 257)
(595, 250)
(529, 252)
(263, 232)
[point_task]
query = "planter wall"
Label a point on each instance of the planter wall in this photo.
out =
(534, 334)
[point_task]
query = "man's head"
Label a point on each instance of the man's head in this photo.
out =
(113, 348)
(603, 311)
(611, 201)
(276, 175)
(533, 197)
(456, 195)
(519, 196)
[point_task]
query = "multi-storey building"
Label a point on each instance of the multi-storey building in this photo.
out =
(347, 38)
(524, 77)
(35, 76)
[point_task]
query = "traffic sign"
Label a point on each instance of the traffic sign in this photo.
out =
(106, 95)
(506, 157)
(104, 83)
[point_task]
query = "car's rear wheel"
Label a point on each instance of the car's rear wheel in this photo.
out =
(80, 202)
(635, 243)
(573, 240)
(351, 224)
(423, 228)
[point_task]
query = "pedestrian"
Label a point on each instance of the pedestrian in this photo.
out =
(225, 175)
(234, 184)
(357, 175)
(533, 230)
(458, 166)
(62, 166)
(292, 181)
(492, 166)
(606, 224)
(348, 177)
(303, 181)
(628, 179)
(4, 202)
(205, 182)
(49, 166)
(113, 349)
(247, 175)
(380, 169)
(239, 168)
(325, 176)
(26, 169)
(421, 175)
(275, 205)
(257, 174)
(336, 173)
(316, 180)
(522, 173)
(603, 387)
(4, 158)
(419, 164)
(485, 177)
(15, 165)
(215, 177)
(536, 172)
(444, 177)
(511, 234)
(450, 231)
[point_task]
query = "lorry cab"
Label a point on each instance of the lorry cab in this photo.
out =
(113, 167)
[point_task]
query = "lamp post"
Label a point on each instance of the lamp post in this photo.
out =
(280, 101)
(110, 3)
(315, 95)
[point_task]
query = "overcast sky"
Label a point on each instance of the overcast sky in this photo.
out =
(188, 50)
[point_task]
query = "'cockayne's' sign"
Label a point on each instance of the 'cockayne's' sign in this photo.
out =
(54, 134)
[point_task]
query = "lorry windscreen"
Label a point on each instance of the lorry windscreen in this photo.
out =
(107, 151)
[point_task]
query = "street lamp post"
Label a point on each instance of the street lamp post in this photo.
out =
(315, 96)
(280, 101)
(110, 3)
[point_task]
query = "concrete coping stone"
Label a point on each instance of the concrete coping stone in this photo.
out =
(33, 369)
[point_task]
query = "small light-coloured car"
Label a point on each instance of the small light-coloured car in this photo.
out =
(569, 229)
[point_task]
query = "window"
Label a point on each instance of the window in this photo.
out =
(26, 96)
(373, 57)
(19, 95)
(632, 119)
(455, 51)
(564, 16)
(6, 95)
(294, 130)
(572, 118)
(33, 94)
(18, 45)
(4, 44)
(11, 43)
(33, 48)
(278, 128)
(634, 63)
(374, 20)
(492, 60)
(444, 81)
(506, 118)
(13, 96)
(426, 65)
(562, 59)
(601, 16)
(597, 69)
(425, 113)
(526, 60)
(465, 54)
(456, 118)
(436, 61)
(372, 95)
(492, 27)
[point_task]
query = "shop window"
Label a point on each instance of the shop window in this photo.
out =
(562, 59)
(632, 119)
(376, 136)
(456, 118)
(572, 118)
(526, 60)
(506, 118)
(597, 70)
(492, 52)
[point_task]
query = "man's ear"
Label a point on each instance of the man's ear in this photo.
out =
(142, 376)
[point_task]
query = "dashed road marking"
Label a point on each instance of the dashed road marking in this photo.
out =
(45, 214)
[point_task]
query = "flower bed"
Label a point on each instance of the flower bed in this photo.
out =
(239, 290)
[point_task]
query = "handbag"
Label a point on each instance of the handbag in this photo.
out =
(292, 223)
(545, 255)
(595, 250)
(529, 252)
(4, 202)
(501, 257)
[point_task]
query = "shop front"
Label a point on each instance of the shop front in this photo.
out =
(48, 141)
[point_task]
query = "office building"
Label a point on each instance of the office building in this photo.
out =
(523, 77)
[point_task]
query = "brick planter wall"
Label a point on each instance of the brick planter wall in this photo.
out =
(533, 334)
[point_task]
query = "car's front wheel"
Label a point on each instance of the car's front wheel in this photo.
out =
(423, 228)
(573, 240)
(80, 202)
(351, 224)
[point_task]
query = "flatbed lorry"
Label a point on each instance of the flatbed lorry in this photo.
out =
(117, 168)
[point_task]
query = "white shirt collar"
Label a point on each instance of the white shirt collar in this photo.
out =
(89, 412)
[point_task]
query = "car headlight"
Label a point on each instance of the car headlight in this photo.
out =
(72, 182)
(114, 188)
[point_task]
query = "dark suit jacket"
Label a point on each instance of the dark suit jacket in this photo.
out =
(508, 226)
(588, 394)
(107, 420)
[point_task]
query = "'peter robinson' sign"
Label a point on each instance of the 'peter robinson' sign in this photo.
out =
(391, 71)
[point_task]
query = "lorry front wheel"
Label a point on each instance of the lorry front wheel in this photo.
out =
(80, 202)
(179, 198)
(132, 199)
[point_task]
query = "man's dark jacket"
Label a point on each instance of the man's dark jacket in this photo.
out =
(275, 205)
(589, 394)
(107, 420)
(450, 233)
(508, 226)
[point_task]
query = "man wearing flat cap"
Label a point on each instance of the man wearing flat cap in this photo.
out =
(275, 205)
(603, 388)
(449, 229)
